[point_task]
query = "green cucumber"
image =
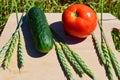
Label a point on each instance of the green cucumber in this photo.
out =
(41, 34)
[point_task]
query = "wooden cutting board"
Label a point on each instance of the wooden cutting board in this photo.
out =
(47, 67)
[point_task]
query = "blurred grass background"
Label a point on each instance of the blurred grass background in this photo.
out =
(52, 6)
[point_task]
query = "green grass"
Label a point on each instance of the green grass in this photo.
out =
(8, 6)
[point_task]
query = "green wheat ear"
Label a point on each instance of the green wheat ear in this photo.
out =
(10, 52)
(5, 48)
(71, 59)
(107, 48)
(108, 64)
(20, 53)
(83, 65)
(99, 49)
(8, 48)
(114, 62)
(20, 57)
(63, 62)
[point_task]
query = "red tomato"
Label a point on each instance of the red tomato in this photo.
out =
(79, 20)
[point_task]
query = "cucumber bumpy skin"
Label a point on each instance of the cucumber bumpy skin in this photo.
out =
(41, 33)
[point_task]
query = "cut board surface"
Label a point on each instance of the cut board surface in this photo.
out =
(47, 67)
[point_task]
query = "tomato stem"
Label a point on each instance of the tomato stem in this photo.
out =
(75, 14)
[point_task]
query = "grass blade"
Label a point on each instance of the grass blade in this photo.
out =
(115, 33)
